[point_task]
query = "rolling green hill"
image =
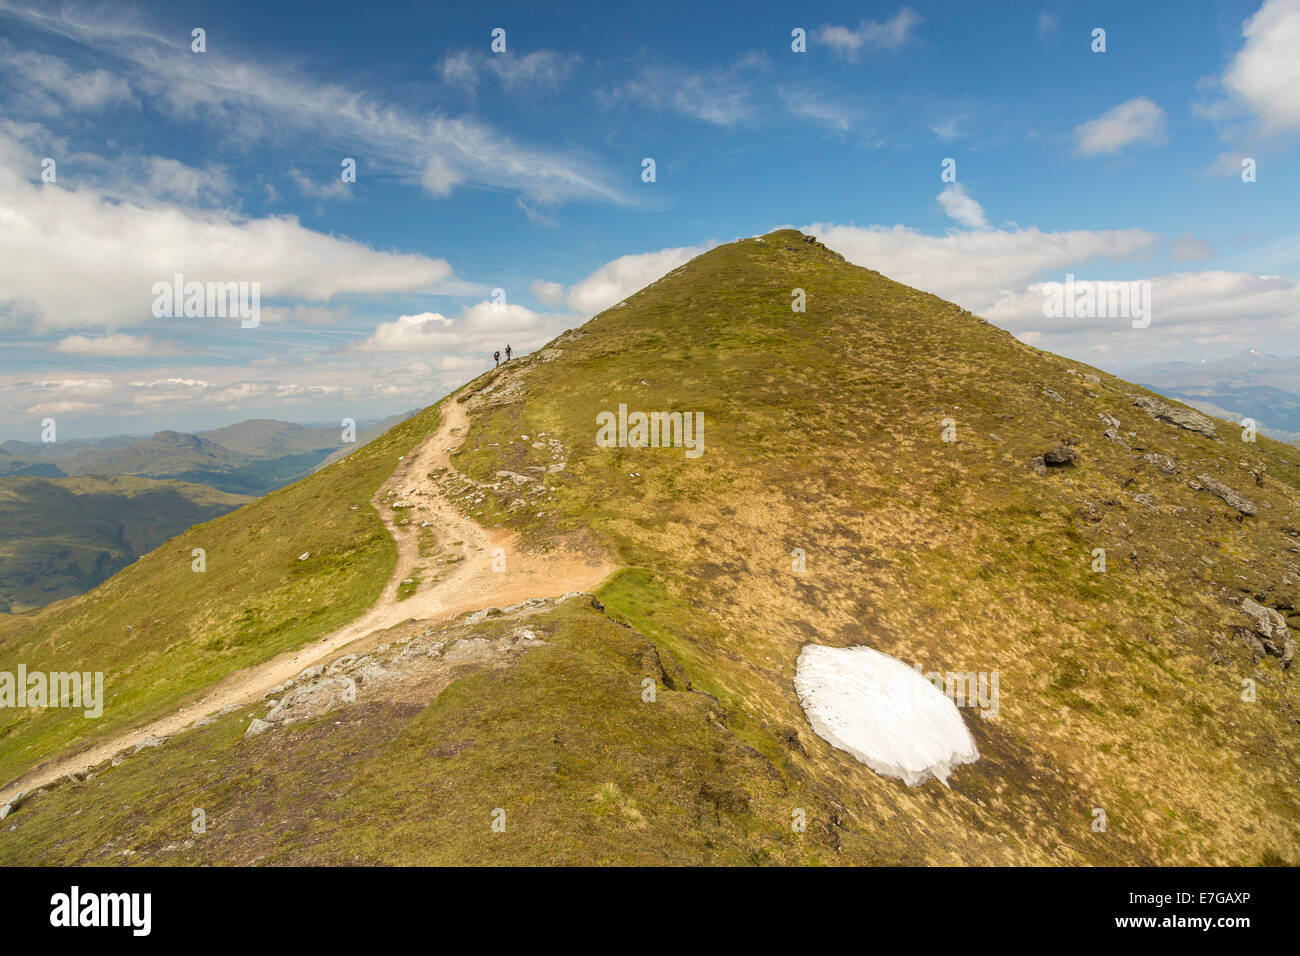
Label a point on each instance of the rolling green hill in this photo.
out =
(63, 536)
(884, 469)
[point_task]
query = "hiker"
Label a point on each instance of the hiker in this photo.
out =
(507, 353)
(496, 357)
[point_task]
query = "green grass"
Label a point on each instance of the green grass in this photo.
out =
(822, 434)
(159, 631)
(62, 536)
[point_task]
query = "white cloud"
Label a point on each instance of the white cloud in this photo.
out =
(1188, 311)
(889, 35)
(480, 329)
(1047, 23)
(723, 96)
(810, 105)
(439, 177)
(1187, 248)
(263, 101)
(975, 268)
(459, 69)
(169, 179)
(46, 84)
(1135, 121)
(1001, 275)
(961, 207)
(118, 343)
(619, 278)
(945, 130)
(1265, 74)
(548, 293)
(332, 188)
(407, 332)
(71, 257)
(538, 70)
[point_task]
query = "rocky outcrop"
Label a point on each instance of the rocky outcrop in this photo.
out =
(1058, 457)
(1270, 629)
(1186, 418)
(1230, 497)
(1162, 463)
(321, 689)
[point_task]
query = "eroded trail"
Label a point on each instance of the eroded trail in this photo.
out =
(460, 577)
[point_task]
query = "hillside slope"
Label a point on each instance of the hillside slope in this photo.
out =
(63, 536)
(826, 507)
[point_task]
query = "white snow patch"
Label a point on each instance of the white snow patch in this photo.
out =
(882, 712)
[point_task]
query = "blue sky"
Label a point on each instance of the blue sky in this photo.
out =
(522, 171)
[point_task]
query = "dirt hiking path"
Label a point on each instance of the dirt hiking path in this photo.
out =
(466, 582)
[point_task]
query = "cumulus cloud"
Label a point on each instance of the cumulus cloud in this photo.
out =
(1189, 310)
(439, 177)
(481, 328)
(961, 207)
(1002, 274)
(548, 293)
(1264, 76)
(889, 35)
(170, 179)
(71, 257)
(975, 268)
(619, 278)
(1135, 121)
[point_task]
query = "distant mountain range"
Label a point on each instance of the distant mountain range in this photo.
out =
(74, 513)
(248, 458)
(1249, 384)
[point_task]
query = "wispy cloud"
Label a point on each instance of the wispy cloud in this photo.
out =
(723, 96)
(891, 34)
(118, 343)
(961, 207)
(532, 72)
(1135, 121)
(263, 101)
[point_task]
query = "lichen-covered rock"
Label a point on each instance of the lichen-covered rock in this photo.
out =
(1186, 418)
(1230, 497)
(1272, 629)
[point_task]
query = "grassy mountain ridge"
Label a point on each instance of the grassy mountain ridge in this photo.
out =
(954, 556)
(1121, 690)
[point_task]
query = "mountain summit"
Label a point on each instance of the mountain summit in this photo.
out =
(1112, 577)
